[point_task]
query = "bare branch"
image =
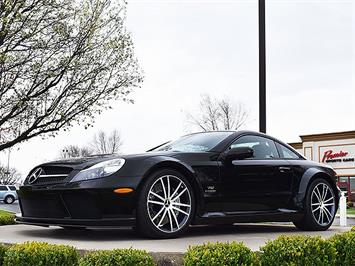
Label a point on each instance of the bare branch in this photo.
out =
(9, 176)
(74, 151)
(215, 114)
(106, 143)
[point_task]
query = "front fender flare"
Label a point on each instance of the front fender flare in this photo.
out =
(154, 163)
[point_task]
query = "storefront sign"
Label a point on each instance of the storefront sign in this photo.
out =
(338, 156)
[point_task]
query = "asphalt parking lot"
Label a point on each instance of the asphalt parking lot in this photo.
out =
(15, 207)
(253, 235)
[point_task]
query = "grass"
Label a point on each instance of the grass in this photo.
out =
(2, 212)
(350, 211)
(6, 218)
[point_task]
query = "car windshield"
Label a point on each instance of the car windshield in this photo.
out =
(198, 142)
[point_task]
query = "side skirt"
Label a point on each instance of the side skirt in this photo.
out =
(281, 215)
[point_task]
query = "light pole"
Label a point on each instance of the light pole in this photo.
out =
(262, 68)
(8, 161)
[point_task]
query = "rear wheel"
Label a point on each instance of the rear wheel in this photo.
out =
(319, 205)
(9, 199)
(166, 205)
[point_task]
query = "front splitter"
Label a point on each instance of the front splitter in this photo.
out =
(81, 223)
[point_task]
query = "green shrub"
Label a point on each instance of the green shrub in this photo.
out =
(44, 254)
(345, 246)
(219, 254)
(353, 229)
(298, 250)
(126, 257)
(2, 254)
(6, 218)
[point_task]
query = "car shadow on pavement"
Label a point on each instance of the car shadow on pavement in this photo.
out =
(126, 234)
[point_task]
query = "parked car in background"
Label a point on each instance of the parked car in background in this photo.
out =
(8, 194)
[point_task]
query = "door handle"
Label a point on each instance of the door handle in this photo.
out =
(284, 169)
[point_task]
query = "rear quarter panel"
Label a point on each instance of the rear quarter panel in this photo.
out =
(304, 172)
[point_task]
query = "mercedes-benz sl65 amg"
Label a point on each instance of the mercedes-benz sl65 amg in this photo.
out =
(202, 178)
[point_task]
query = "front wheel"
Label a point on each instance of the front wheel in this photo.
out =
(166, 205)
(320, 207)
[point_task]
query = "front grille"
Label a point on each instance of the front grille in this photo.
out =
(49, 175)
(56, 170)
(44, 180)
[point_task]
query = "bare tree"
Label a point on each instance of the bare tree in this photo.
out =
(74, 151)
(218, 114)
(232, 116)
(61, 63)
(106, 143)
(9, 176)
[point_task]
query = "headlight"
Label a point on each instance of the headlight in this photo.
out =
(99, 170)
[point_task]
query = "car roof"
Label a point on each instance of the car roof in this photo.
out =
(210, 131)
(223, 144)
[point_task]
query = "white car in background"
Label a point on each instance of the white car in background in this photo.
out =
(8, 194)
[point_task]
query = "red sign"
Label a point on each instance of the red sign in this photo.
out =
(329, 155)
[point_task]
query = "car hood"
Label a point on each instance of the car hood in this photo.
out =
(85, 162)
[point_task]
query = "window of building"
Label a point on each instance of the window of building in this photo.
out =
(352, 182)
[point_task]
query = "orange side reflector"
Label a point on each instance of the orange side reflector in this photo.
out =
(123, 190)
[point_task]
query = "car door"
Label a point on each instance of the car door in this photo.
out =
(261, 183)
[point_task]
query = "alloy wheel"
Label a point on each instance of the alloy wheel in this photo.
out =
(169, 203)
(323, 204)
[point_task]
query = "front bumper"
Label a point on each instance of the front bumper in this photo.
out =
(85, 204)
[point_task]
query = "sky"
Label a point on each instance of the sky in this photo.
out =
(195, 47)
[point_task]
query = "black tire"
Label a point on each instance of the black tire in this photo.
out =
(145, 224)
(309, 220)
(9, 199)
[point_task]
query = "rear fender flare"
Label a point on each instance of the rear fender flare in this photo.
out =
(307, 177)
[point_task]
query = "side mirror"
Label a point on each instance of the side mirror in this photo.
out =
(239, 153)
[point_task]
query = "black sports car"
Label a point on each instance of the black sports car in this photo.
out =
(202, 178)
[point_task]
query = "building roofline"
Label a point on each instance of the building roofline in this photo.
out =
(296, 145)
(328, 136)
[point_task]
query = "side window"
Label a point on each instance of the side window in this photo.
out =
(12, 188)
(286, 153)
(264, 148)
(3, 188)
